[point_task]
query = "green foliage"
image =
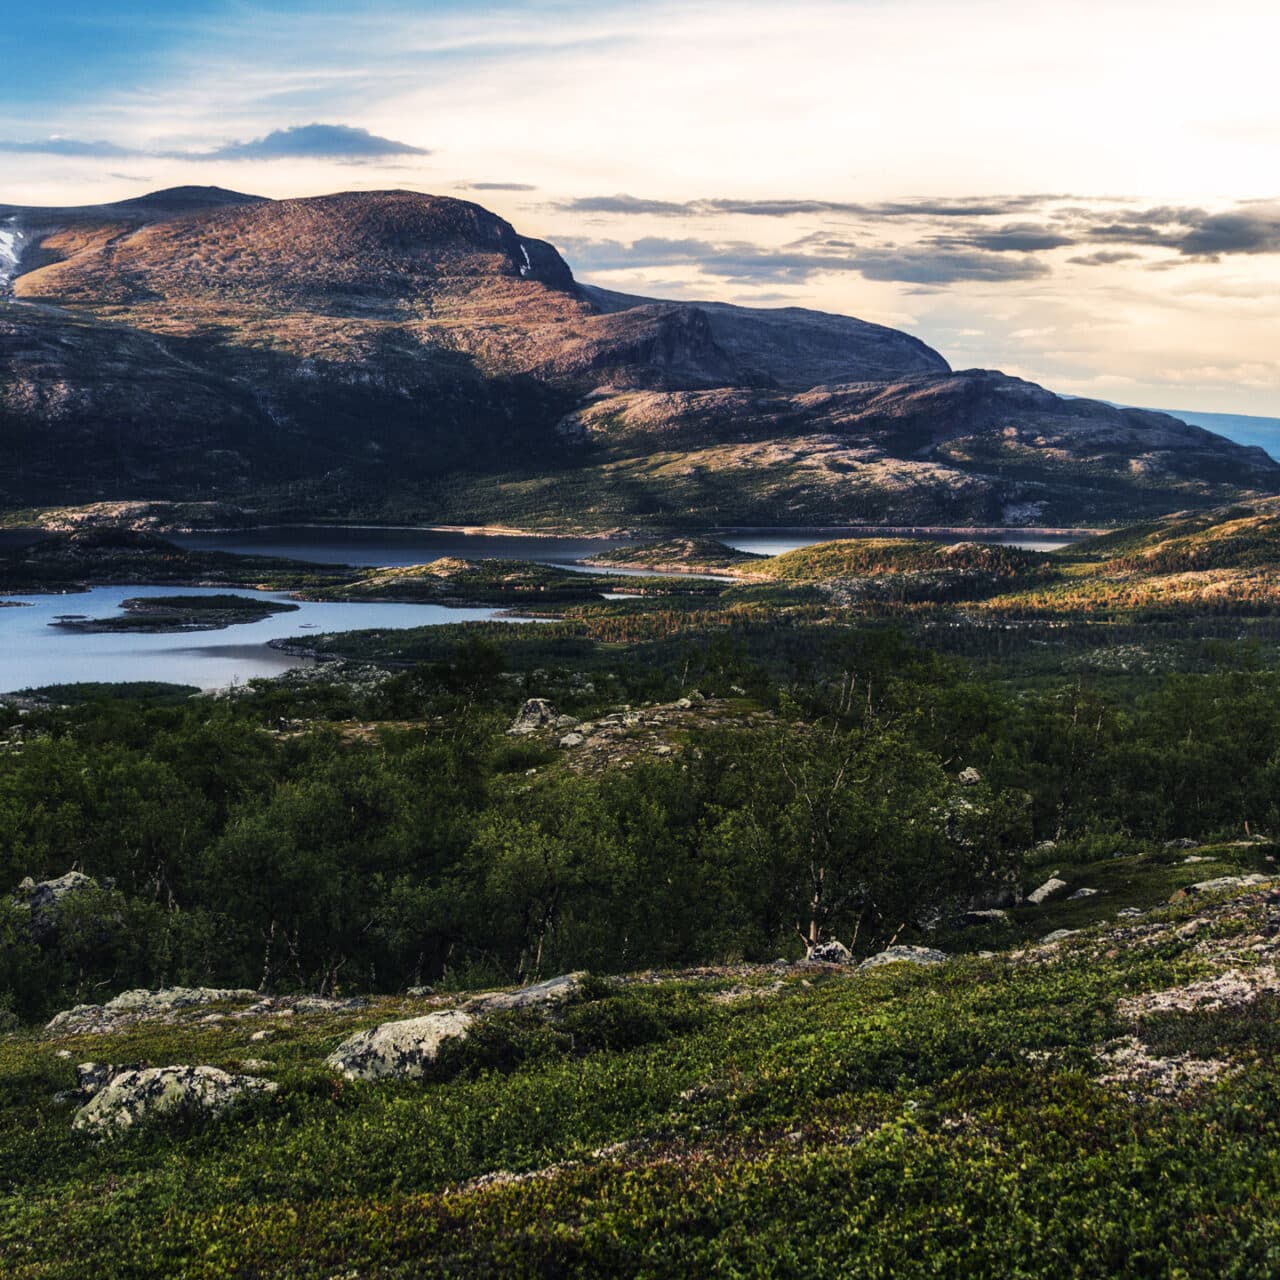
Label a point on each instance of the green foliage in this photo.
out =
(898, 1122)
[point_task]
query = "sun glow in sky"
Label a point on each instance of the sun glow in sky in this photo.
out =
(1083, 194)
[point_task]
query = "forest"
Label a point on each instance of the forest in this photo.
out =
(340, 836)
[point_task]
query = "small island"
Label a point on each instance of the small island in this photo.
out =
(177, 613)
(692, 555)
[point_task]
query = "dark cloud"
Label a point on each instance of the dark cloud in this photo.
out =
(67, 147)
(330, 141)
(1255, 229)
(1012, 240)
(495, 186)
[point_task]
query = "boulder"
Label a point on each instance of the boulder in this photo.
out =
(139, 1005)
(571, 740)
(538, 996)
(44, 900)
(404, 1049)
(1058, 934)
(969, 777)
(136, 1095)
(1220, 884)
(831, 952)
(1046, 891)
(1084, 893)
(536, 714)
(991, 915)
(908, 955)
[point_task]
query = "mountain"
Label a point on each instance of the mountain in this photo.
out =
(1240, 427)
(392, 355)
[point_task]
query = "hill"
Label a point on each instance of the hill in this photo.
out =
(391, 355)
(963, 1116)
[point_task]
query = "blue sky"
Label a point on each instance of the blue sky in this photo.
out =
(1084, 194)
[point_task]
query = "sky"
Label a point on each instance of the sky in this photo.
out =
(1083, 194)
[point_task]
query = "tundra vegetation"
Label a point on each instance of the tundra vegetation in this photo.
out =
(691, 798)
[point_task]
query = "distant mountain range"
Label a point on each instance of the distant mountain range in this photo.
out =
(1247, 429)
(396, 356)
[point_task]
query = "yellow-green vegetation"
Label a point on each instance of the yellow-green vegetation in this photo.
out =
(872, 557)
(680, 555)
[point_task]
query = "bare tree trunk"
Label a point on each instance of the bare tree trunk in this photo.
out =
(266, 958)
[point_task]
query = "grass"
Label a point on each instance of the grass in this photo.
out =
(899, 1122)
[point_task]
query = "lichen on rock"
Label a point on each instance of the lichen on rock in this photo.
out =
(138, 1095)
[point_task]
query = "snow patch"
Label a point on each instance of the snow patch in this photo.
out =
(528, 266)
(10, 239)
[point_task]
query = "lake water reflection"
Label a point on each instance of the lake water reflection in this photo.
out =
(33, 653)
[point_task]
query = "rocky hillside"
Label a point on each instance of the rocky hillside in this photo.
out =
(922, 1113)
(396, 355)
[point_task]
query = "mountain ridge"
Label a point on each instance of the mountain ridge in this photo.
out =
(399, 355)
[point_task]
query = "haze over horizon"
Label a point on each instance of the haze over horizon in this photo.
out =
(1084, 198)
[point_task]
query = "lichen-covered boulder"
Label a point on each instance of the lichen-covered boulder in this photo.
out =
(1228, 882)
(536, 714)
(137, 1095)
(139, 1005)
(1046, 891)
(404, 1049)
(537, 996)
(911, 955)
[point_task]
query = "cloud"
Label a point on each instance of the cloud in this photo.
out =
(315, 141)
(60, 146)
(927, 265)
(741, 261)
(331, 141)
(1019, 239)
(964, 207)
(494, 186)
(1252, 229)
(623, 204)
(1104, 258)
(955, 239)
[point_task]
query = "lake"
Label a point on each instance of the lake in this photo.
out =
(33, 653)
(375, 546)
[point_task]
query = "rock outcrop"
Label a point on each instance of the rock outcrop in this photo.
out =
(905, 954)
(830, 952)
(1046, 891)
(404, 1049)
(540, 995)
(139, 1005)
(44, 900)
(137, 1095)
(535, 715)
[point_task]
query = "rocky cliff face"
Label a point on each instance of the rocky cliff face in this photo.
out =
(393, 354)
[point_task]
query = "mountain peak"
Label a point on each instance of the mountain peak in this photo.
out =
(176, 199)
